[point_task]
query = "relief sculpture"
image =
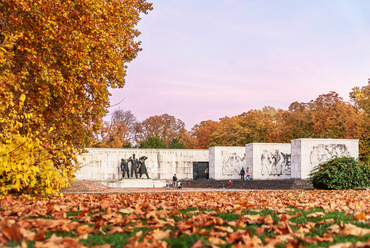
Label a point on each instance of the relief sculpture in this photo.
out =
(275, 163)
(322, 153)
(232, 164)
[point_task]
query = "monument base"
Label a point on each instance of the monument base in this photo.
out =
(135, 183)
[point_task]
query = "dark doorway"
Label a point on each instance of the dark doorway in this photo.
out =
(199, 169)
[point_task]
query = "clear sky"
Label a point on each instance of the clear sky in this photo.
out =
(207, 59)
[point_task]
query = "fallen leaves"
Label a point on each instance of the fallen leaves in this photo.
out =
(243, 219)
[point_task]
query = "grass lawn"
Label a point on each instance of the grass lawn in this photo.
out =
(202, 219)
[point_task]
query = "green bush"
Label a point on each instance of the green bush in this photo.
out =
(340, 173)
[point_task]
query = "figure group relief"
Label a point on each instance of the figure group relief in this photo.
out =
(138, 167)
(275, 163)
(322, 153)
(232, 163)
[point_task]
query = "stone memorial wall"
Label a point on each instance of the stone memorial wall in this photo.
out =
(226, 162)
(265, 160)
(104, 163)
(307, 153)
(269, 160)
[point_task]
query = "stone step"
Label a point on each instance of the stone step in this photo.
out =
(135, 183)
(285, 184)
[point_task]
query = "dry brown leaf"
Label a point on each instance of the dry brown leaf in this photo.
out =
(316, 214)
(102, 246)
(334, 228)
(359, 216)
(216, 241)
(224, 229)
(159, 234)
(84, 229)
(198, 244)
(105, 204)
(12, 233)
(252, 217)
(268, 220)
(27, 234)
(341, 245)
(350, 229)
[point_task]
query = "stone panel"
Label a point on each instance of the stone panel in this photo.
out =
(307, 153)
(226, 162)
(269, 160)
(104, 163)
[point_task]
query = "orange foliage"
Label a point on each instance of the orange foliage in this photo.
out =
(114, 135)
(202, 133)
(57, 61)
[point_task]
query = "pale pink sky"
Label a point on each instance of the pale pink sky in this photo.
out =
(203, 60)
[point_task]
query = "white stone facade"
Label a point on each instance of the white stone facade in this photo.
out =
(265, 160)
(103, 164)
(226, 162)
(269, 160)
(307, 153)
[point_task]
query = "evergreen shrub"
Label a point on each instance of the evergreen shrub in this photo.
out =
(340, 173)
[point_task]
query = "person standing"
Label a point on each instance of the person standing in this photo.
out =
(174, 179)
(248, 174)
(242, 173)
(207, 173)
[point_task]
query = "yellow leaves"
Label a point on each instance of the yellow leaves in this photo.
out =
(22, 98)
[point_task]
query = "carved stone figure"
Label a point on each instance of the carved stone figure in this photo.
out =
(275, 163)
(124, 168)
(142, 169)
(134, 165)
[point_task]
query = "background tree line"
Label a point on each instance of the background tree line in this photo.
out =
(328, 116)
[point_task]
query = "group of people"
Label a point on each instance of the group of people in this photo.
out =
(137, 167)
(246, 172)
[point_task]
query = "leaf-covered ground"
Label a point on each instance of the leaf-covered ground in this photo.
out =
(196, 219)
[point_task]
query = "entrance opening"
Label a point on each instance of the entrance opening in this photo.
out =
(199, 169)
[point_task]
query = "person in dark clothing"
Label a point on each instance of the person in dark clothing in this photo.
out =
(134, 165)
(124, 168)
(142, 168)
(242, 173)
(174, 179)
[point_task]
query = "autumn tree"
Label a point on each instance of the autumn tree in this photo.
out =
(129, 119)
(297, 122)
(58, 60)
(113, 135)
(202, 133)
(361, 99)
(231, 132)
(165, 127)
(331, 115)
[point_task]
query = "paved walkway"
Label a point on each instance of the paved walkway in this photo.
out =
(82, 186)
